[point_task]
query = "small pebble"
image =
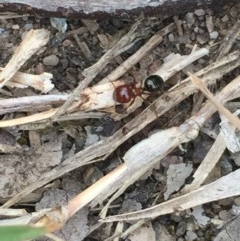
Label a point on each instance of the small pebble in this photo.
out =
(39, 69)
(9, 26)
(235, 210)
(51, 60)
(190, 19)
(201, 39)
(196, 29)
(66, 43)
(225, 215)
(59, 23)
(226, 202)
(8, 45)
(171, 37)
(225, 18)
(190, 235)
(181, 228)
(64, 63)
(15, 27)
(91, 175)
(91, 138)
(28, 26)
(25, 18)
(199, 12)
(91, 25)
(237, 201)
(213, 35)
(23, 34)
(130, 205)
(209, 23)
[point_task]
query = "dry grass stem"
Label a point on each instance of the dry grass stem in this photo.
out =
(229, 40)
(207, 165)
(178, 63)
(233, 119)
(28, 119)
(12, 15)
(92, 98)
(138, 55)
(229, 134)
(40, 82)
(224, 187)
(12, 212)
(33, 41)
(30, 103)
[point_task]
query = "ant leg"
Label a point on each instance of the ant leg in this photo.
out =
(152, 107)
(120, 109)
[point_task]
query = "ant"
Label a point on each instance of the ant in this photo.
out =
(128, 92)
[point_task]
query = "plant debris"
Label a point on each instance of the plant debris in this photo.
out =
(103, 121)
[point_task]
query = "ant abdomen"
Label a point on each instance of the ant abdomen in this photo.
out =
(153, 83)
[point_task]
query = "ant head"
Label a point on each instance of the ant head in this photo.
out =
(153, 83)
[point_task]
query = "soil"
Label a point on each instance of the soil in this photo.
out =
(66, 56)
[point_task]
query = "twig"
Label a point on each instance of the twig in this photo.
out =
(32, 118)
(206, 166)
(92, 98)
(178, 63)
(40, 82)
(29, 103)
(232, 118)
(138, 55)
(12, 15)
(33, 41)
(224, 187)
(229, 39)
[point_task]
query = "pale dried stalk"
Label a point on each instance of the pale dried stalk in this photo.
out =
(12, 15)
(178, 63)
(232, 118)
(9, 212)
(40, 82)
(75, 116)
(207, 165)
(138, 55)
(96, 97)
(229, 40)
(161, 106)
(28, 119)
(33, 41)
(92, 98)
(227, 186)
(229, 134)
(30, 103)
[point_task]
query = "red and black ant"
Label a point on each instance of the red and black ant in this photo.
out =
(127, 93)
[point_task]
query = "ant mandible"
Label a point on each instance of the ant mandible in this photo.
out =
(128, 92)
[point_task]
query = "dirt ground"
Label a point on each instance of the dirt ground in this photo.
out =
(38, 148)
